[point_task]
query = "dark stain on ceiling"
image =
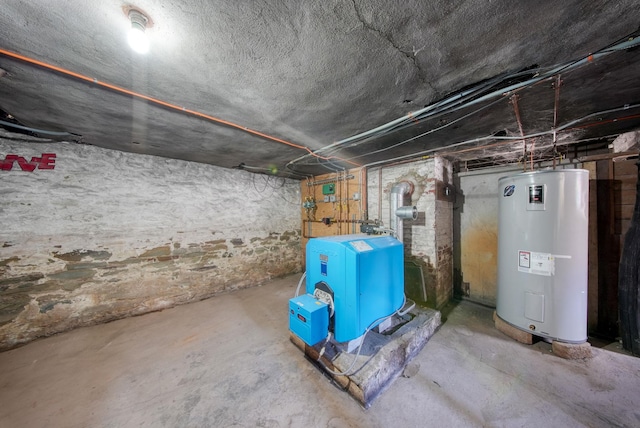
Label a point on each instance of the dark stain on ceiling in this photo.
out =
(306, 87)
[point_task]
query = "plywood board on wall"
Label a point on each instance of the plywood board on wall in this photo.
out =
(336, 211)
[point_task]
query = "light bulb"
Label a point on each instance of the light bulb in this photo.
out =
(137, 38)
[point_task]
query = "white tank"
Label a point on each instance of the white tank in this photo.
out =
(542, 253)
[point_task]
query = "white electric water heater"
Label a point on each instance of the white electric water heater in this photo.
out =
(542, 253)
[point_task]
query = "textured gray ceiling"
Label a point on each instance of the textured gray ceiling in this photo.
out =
(312, 73)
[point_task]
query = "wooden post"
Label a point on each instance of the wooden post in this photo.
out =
(629, 281)
(608, 251)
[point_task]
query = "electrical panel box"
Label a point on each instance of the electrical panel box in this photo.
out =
(365, 274)
(329, 189)
(308, 318)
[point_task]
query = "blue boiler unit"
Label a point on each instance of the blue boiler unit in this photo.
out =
(360, 277)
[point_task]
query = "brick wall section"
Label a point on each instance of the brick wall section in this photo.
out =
(428, 240)
(443, 171)
(107, 234)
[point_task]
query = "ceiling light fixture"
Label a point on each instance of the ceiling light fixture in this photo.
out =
(137, 38)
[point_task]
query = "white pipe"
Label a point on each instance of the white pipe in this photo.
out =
(396, 200)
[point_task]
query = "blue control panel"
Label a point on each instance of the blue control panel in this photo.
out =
(308, 318)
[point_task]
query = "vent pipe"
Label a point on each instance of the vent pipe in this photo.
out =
(399, 212)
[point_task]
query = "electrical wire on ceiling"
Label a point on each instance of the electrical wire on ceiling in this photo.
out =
(276, 184)
(539, 76)
(466, 98)
(39, 131)
(446, 106)
(567, 127)
(165, 104)
(502, 143)
(272, 171)
(570, 126)
(431, 131)
(336, 168)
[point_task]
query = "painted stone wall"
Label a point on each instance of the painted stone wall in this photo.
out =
(107, 234)
(476, 215)
(428, 240)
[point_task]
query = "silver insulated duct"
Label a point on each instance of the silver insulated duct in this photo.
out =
(399, 212)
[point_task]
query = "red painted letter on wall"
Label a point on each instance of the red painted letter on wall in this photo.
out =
(46, 161)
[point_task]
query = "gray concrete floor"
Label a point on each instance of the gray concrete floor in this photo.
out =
(227, 361)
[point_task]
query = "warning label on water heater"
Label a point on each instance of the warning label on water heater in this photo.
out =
(536, 263)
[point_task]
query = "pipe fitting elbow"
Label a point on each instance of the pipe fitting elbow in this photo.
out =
(398, 212)
(402, 188)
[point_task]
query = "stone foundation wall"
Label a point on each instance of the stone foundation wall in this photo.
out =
(106, 234)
